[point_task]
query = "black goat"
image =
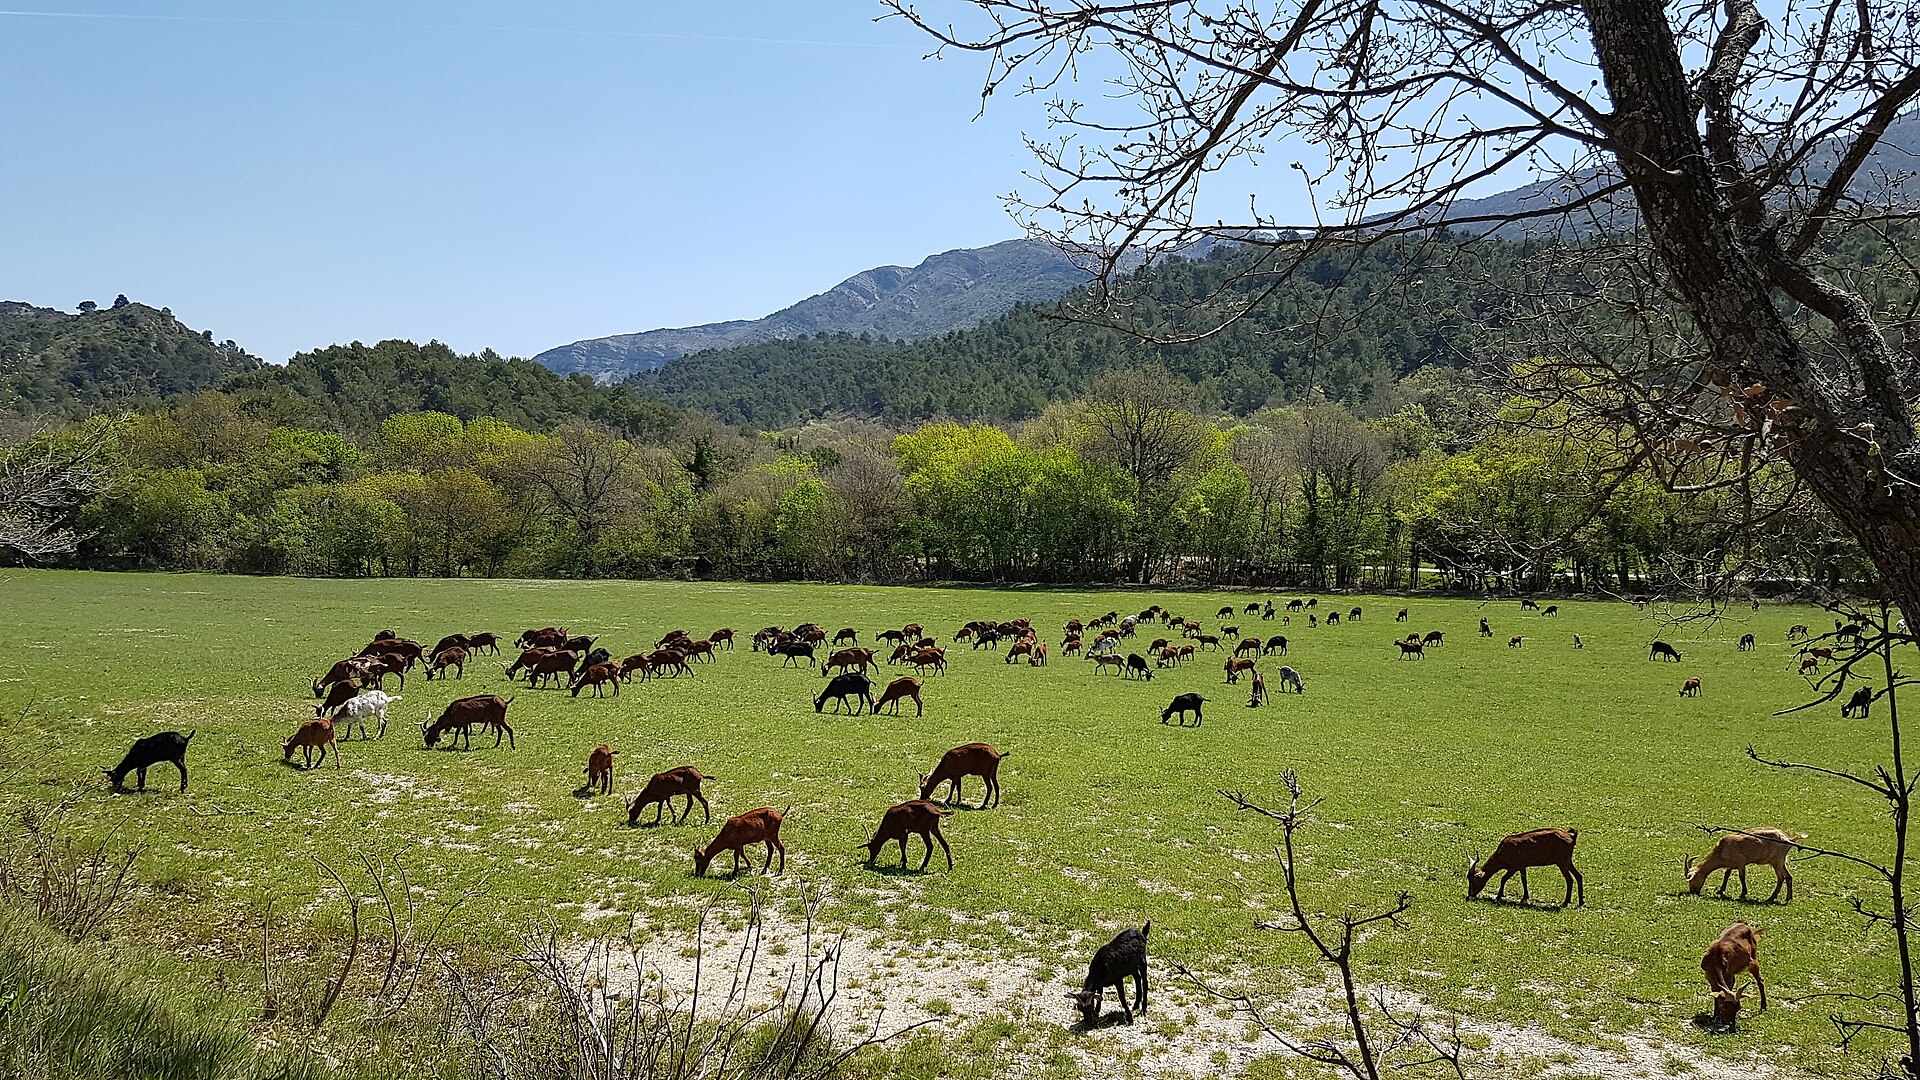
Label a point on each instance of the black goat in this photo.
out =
(1125, 955)
(1184, 704)
(851, 685)
(1137, 665)
(152, 750)
(1859, 704)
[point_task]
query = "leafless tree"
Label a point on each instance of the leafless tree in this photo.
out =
(591, 476)
(1142, 421)
(42, 481)
(1708, 158)
(1377, 1036)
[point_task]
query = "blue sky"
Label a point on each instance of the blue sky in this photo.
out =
(513, 175)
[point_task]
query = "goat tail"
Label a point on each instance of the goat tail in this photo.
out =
(1147, 929)
(196, 731)
(1573, 836)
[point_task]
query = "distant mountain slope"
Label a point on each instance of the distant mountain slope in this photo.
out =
(54, 361)
(948, 291)
(1898, 152)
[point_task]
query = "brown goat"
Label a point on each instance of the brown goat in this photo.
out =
(1247, 645)
(1516, 853)
(1735, 953)
(460, 717)
(1739, 850)
(1690, 688)
(915, 817)
(1235, 668)
(722, 636)
(682, 782)
(848, 659)
(760, 826)
(313, 733)
(973, 759)
(899, 690)
(453, 657)
(600, 769)
(1412, 647)
(599, 676)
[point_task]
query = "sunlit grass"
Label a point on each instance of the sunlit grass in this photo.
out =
(1108, 817)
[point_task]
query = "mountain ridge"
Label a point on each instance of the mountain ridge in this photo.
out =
(950, 290)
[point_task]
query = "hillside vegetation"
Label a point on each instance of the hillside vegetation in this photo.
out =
(59, 362)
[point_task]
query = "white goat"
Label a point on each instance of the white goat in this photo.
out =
(369, 703)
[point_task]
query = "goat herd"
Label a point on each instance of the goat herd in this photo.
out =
(353, 693)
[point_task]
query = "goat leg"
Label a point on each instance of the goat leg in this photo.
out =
(1743, 883)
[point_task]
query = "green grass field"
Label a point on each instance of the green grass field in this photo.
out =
(1108, 817)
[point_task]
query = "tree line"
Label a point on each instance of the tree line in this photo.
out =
(1136, 481)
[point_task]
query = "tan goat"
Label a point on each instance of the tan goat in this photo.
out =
(1739, 850)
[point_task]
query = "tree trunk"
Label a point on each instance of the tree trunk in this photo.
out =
(1729, 281)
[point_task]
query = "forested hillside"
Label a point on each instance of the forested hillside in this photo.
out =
(1344, 325)
(350, 389)
(59, 362)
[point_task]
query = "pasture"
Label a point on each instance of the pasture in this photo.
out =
(1107, 818)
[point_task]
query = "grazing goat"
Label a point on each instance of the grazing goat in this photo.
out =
(461, 716)
(1276, 643)
(369, 703)
(453, 657)
(1739, 850)
(1550, 609)
(344, 671)
(1102, 661)
(451, 641)
(1354, 615)
(722, 636)
(600, 769)
(1247, 645)
(1747, 643)
(1184, 704)
(1660, 650)
(792, 651)
(851, 685)
(1515, 641)
(1808, 663)
(337, 695)
(1859, 704)
(1529, 605)
(1235, 668)
(148, 751)
(973, 759)
(313, 733)
(1412, 649)
(1401, 616)
(1690, 688)
(1289, 677)
(1224, 613)
(677, 783)
(1798, 631)
(599, 676)
(898, 690)
(848, 659)
(669, 660)
(1516, 853)
(922, 659)
(1137, 665)
(483, 641)
(915, 817)
(1735, 953)
(1433, 637)
(1123, 957)
(846, 634)
(760, 826)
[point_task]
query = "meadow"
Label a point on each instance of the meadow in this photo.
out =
(1108, 817)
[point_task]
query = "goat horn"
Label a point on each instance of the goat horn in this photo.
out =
(1689, 866)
